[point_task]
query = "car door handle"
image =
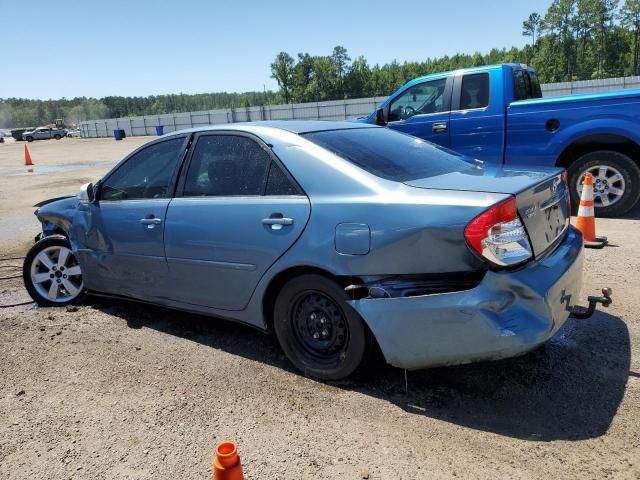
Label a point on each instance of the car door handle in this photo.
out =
(151, 221)
(277, 221)
(439, 127)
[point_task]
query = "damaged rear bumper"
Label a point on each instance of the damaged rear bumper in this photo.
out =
(507, 314)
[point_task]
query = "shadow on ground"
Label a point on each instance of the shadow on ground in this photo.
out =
(633, 214)
(569, 389)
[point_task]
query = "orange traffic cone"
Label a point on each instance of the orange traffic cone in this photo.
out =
(226, 463)
(27, 156)
(586, 221)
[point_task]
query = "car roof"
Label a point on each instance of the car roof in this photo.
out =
(294, 126)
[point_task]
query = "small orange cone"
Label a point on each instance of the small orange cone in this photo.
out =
(226, 463)
(586, 221)
(27, 156)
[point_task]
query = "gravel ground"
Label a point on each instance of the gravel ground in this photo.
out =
(114, 389)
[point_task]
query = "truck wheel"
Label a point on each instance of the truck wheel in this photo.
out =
(616, 182)
(57, 137)
(29, 139)
(316, 328)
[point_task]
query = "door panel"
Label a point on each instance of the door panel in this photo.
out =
(120, 237)
(477, 117)
(121, 247)
(433, 128)
(218, 248)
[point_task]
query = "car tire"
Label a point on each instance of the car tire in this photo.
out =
(613, 172)
(29, 139)
(57, 137)
(317, 329)
(43, 260)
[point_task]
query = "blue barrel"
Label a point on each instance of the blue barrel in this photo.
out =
(118, 134)
(160, 130)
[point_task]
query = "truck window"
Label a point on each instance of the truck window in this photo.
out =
(536, 91)
(519, 86)
(420, 99)
(526, 85)
(475, 91)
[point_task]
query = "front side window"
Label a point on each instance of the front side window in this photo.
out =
(146, 174)
(475, 91)
(226, 165)
(420, 99)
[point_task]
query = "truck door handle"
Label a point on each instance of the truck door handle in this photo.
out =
(277, 221)
(151, 221)
(439, 127)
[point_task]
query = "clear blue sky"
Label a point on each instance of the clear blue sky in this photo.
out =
(141, 47)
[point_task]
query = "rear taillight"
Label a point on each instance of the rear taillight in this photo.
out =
(498, 235)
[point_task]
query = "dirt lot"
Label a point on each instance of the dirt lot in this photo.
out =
(121, 390)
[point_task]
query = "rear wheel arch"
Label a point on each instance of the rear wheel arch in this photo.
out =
(280, 279)
(613, 155)
(594, 143)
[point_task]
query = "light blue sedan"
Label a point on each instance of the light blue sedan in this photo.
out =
(336, 236)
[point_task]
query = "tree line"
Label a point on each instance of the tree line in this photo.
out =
(20, 112)
(572, 40)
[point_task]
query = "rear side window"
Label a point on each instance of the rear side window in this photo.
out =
(536, 91)
(390, 154)
(226, 165)
(526, 85)
(475, 91)
(278, 183)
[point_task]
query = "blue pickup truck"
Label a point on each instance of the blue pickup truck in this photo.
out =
(497, 114)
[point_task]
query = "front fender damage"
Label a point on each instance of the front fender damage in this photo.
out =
(56, 216)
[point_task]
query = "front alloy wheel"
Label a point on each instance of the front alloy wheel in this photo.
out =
(51, 273)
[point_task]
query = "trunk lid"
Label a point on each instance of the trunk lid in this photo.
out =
(541, 196)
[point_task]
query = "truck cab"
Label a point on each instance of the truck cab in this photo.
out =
(460, 110)
(496, 114)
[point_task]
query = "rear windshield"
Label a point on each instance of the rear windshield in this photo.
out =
(389, 154)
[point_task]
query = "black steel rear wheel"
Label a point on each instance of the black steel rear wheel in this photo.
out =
(317, 330)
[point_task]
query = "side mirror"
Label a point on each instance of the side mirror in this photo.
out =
(85, 195)
(381, 117)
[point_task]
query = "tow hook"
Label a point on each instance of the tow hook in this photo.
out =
(582, 312)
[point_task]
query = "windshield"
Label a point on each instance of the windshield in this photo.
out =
(389, 154)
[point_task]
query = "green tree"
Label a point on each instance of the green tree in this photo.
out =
(323, 85)
(531, 27)
(558, 21)
(630, 19)
(477, 60)
(302, 74)
(358, 78)
(282, 72)
(341, 61)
